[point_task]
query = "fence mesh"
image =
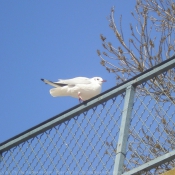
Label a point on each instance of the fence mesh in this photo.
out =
(87, 143)
(152, 126)
(77, 146)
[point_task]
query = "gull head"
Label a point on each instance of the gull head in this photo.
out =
(98, 80)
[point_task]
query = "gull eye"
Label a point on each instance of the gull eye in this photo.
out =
(97, 78)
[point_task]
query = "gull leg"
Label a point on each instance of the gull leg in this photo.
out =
(79, 97)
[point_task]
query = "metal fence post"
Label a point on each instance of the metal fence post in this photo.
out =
(124, 131)
(0, 157)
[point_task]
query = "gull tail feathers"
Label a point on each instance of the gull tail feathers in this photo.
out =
(59, 91)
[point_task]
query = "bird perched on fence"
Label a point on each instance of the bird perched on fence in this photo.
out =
(80, 87)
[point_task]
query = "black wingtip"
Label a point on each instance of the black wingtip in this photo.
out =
(42, 79)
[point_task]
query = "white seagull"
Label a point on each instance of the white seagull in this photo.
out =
(80, 87)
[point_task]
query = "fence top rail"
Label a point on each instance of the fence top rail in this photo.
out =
(78, 109)
(151, 164)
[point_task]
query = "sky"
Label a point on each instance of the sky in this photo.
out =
(52, 40)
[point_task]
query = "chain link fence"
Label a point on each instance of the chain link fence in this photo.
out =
(122, 131)
(152, 128)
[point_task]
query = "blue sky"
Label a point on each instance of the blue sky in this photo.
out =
(53, 40)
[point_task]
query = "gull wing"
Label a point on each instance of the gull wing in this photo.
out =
(74, 81)
(53, 83)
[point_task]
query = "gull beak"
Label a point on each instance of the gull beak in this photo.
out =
(104, 81)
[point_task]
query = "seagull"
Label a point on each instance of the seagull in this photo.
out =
(80, 87)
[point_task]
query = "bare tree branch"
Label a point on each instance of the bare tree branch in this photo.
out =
(151, 42)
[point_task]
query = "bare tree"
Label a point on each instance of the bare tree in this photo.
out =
(143, 50)
(140, 52)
